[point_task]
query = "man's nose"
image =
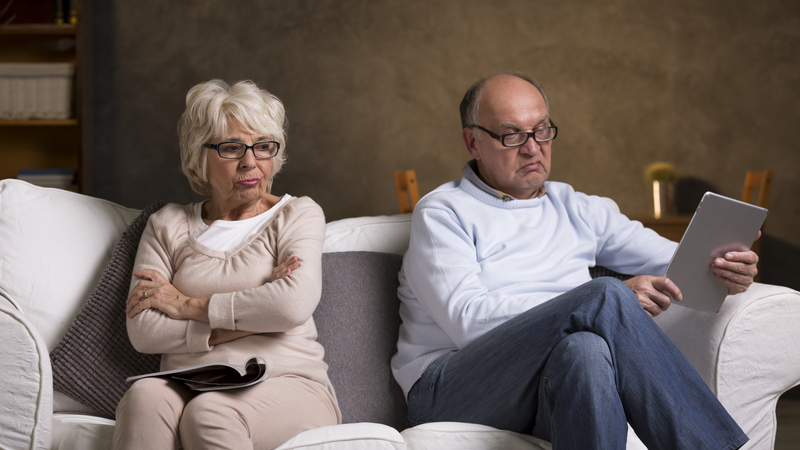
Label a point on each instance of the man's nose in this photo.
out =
(530, 147)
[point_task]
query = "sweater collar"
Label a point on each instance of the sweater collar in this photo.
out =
(470, 172)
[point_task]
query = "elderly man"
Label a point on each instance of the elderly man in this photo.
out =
(502, 324)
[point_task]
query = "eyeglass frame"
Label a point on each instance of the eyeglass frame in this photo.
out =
(528, 135)
(246, 148)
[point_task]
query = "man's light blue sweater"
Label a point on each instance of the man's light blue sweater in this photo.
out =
(475, 260)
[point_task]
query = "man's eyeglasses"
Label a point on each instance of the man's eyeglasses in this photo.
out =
(236, 150)
(546, 134)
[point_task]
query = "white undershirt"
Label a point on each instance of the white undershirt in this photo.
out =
(223, 235)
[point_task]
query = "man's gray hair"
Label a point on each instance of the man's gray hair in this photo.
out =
(471, 100)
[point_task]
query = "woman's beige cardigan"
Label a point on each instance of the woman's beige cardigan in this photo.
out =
(242, 295)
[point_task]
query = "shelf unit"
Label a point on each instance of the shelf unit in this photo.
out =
(31, 36)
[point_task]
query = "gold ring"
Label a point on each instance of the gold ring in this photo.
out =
(145, 293)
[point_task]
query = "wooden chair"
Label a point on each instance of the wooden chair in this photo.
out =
(405, 181)
(756, 191)
(757, 183)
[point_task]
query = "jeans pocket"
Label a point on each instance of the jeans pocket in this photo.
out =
(416, 404)
(438, 368)
(422, 393)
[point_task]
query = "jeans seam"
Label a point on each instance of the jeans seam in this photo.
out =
(552, 397)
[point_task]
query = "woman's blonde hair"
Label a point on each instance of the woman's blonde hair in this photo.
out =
(211, 107)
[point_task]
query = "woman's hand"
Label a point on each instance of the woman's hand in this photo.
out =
(220, 336)
(155, 292)
(284, 269)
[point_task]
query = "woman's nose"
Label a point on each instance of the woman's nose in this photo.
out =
(249, 158)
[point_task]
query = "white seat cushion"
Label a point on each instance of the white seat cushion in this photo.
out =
(85, 432)
(467, 436)
(349, 436)
(450, 435)
(81, 432)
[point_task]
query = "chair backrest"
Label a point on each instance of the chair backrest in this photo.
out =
(757, 182)
(756, 191)
(405, 181)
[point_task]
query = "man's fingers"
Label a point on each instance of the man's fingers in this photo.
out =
(655, 294)
(748, 257)
(666, 287)
(735, 268)
(744, 278)
(660, 300)
(734, 287)
(654, 304)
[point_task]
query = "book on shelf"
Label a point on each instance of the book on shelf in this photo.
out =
(73, 11)
(217, 376)
(56, 178)
(58, 11)
(65, 11)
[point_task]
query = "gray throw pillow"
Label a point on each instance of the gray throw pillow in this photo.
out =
(93, 359)
(358, 322)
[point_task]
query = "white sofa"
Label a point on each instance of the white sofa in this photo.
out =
(54, 245)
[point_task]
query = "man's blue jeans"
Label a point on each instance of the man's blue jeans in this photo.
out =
(574, 371)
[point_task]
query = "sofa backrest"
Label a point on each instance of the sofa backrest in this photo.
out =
(358, 319)
(54, 245)
(386, 234)
(358, 323)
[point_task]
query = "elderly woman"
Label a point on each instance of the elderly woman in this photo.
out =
(236, 276)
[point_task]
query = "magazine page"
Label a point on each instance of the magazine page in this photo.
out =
(217, 376)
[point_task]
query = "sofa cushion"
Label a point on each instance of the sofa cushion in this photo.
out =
(55, 245)
(351, 436)
(441, 435)
(95, 347)
(388, 234)
(83, 432)
(358, 322)
(446, 435)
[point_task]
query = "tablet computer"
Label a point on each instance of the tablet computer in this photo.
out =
(719, 225)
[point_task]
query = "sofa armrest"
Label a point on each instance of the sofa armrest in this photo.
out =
(26, 397)
(748, 353)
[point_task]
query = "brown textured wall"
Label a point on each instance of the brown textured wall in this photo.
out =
(374, 86)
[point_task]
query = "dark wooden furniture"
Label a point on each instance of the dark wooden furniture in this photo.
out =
(29, 34)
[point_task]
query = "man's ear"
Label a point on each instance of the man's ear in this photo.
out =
(470, 140)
